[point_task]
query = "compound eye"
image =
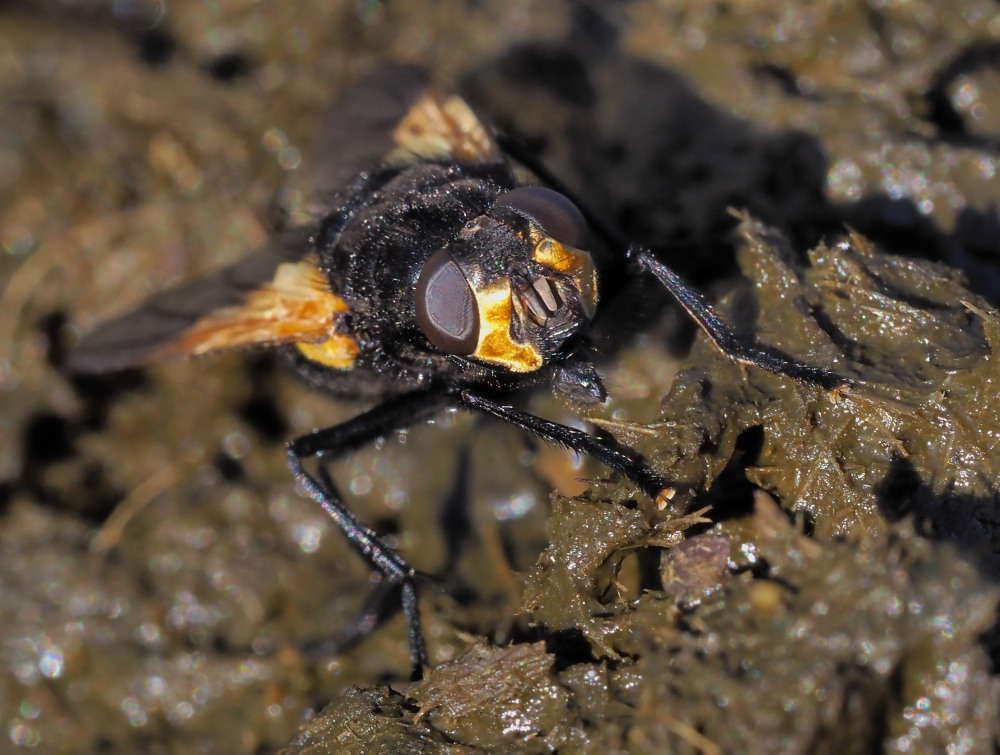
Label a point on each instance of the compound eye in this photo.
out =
(447, 312)
(552, 212)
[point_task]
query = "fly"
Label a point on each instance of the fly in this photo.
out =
(432, 277)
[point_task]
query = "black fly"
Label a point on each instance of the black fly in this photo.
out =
(432, 278)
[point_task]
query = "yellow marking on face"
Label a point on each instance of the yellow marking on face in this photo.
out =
(495, 344)
(575, 263)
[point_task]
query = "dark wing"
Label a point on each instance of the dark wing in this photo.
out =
(278, 295)
(393, 114)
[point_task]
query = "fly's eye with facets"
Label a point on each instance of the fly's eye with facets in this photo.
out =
(447, 312)
(556, 215)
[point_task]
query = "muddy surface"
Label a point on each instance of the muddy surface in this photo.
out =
(825, 578)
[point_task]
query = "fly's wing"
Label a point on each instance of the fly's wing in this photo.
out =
(395, 115)
(278, 295)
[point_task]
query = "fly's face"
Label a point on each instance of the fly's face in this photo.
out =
(514, 285)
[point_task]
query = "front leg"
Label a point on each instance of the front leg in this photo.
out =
(608, 451)
(334, 442)
(725, 338)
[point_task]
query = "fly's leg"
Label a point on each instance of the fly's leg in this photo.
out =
(722, 333)
(396, 573)
(608, 451)
(632, 260)
(332, 443)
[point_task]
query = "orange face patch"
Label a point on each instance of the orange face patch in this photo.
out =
(495, 343)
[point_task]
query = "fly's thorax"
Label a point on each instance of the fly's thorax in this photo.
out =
(514, 284)
(408, 215)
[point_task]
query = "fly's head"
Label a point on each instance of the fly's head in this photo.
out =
(515, 284)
